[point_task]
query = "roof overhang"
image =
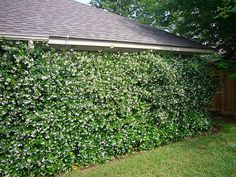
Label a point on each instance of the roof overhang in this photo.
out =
(112, 45)
(24, 37)
(88, 44)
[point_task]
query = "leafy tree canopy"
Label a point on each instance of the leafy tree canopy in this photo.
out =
(211, 22)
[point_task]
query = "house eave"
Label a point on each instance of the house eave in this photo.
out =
(88, 44)
(112, 45)
(24, 37)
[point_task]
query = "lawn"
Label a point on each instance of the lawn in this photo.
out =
(203, 156)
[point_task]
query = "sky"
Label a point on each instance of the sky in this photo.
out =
(84, 1)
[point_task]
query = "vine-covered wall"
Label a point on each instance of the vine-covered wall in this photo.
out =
(63, 108)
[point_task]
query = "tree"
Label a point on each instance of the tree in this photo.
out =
(211, 22)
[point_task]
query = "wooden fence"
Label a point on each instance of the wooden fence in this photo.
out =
(224, 102)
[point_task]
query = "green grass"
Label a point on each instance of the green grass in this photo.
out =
(204, 156)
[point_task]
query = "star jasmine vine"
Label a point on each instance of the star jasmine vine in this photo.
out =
(59, 108)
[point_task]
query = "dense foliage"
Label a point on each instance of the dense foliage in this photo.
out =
(211, 22)
(59, 108)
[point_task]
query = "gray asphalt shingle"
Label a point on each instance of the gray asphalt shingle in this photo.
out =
(61, 17)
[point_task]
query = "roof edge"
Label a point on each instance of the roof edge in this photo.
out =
(124, 45)
(24, 37)
(106, 44)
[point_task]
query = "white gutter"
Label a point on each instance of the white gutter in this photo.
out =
(90, 44)
(123, 45)
(24, 37)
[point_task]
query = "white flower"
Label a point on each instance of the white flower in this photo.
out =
(31, 44)
(44, 77)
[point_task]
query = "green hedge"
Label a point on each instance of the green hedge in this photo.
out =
(63, 108)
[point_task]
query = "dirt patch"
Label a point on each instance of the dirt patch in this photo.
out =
(215, 129)
(85, 169)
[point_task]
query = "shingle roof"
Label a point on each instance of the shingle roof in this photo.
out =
(48, 18)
